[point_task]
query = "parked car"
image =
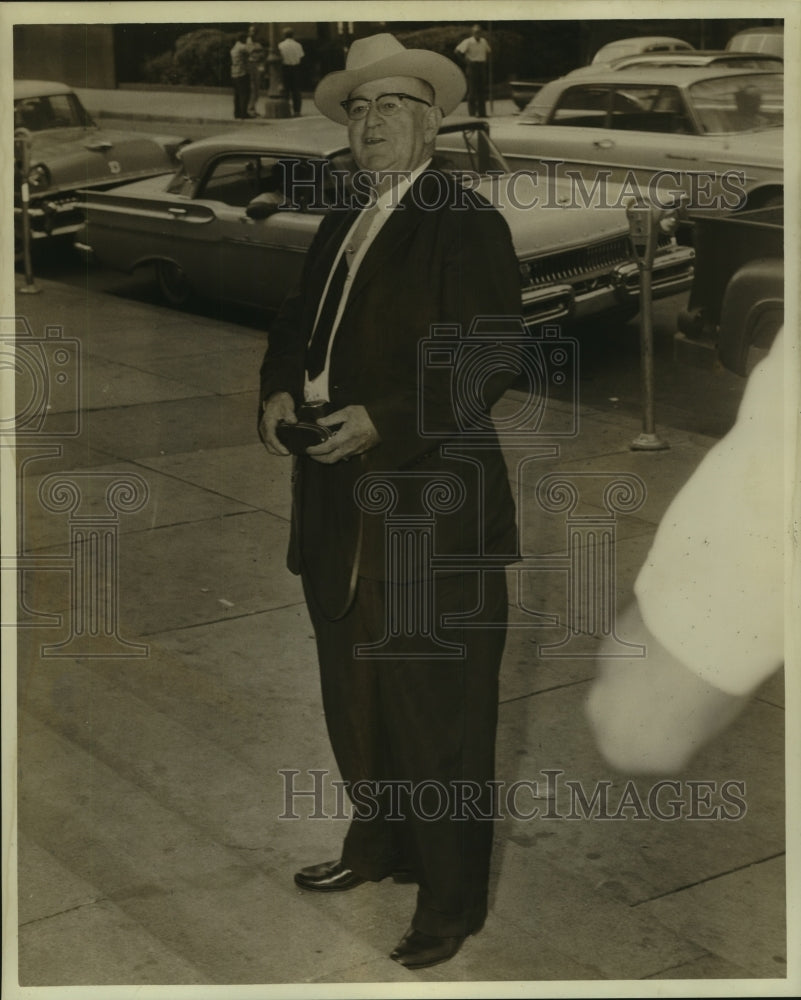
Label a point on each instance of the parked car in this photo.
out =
(736, 304)
(690, 57)
(758, 39)
(636, 46)
(714, 134)
(524, 90)
(68, 151)
(235, 220)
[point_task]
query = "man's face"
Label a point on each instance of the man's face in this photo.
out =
(400, 142)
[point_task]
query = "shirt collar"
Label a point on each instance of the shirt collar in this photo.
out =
(387, 200)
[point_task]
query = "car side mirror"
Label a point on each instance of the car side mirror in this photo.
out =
(264, 205)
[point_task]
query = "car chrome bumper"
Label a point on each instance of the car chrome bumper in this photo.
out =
(52, 218)
(672, 272)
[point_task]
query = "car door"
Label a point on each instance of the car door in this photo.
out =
(253, 260)
(621, 131)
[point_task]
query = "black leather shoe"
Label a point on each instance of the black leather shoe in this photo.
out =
(330, 876)
(417, 950)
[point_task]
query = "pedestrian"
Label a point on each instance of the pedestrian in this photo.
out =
(291, 52)
(709, 599)
(240, 76)
(475, 52)
(255, 69)
(432, 254)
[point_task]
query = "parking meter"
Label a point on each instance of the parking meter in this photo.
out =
(22, 154)
(642, 230)
(22, 169)
(646, 221)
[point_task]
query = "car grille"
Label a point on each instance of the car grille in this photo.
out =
(576, 266)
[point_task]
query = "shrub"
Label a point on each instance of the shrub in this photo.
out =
(204, 57)
(200, 58)
(160, 69)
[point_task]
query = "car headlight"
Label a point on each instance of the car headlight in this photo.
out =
(39, 176)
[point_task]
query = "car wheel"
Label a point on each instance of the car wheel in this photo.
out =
(173, 283)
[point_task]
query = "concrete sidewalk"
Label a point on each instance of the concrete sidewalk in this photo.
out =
(151, 844)
(204, 107)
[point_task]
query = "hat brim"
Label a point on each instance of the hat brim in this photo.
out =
(444, 76)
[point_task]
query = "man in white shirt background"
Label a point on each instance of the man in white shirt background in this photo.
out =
(475, 52)
(291, 52)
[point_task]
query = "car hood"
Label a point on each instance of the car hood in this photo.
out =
(84, 156)
(545, 219)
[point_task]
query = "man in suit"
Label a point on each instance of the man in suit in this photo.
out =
(411, 712)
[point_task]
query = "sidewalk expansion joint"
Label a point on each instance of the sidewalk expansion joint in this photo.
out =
(221, 621)
(60, 913)
(710, 878)
(545, 690)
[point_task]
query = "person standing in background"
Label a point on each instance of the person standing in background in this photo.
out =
(291, 53)
(255, 68)
(240, 76)
(475, 52)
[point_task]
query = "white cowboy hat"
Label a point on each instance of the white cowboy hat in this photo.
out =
(383, 55)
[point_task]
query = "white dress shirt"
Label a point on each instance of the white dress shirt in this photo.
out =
(317, 389)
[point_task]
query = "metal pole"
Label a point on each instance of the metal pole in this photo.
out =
(644, 228)
(489, 69)
(24, 137)
(276, 103)
(648, 440)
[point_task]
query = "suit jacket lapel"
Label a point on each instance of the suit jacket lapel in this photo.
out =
(401, 225)
(328, 252)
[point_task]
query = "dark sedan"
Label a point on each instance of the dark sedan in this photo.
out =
(236, 219)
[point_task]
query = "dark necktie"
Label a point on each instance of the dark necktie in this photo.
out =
(318, 346)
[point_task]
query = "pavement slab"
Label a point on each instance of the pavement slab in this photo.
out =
(639, 839)
(247, 473)
(166, 500)
(116, 951)
(712, 914)
(174, 426)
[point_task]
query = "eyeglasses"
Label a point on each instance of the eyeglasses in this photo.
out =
(387, 105)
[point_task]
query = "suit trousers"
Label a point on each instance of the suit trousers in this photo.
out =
(476, 73)
(414, 738)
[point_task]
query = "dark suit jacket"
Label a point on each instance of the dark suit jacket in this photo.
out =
(431, 264)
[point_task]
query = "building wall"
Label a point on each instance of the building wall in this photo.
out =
(81, 55)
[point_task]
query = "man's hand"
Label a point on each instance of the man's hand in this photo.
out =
(356, 435)
(279, 406)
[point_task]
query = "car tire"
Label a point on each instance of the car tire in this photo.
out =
(173, 282)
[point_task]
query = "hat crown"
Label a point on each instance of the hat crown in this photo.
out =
(365, 51)
(380, 56)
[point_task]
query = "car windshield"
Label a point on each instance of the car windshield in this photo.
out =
(51, 111)
(739, 104)
(469, 150)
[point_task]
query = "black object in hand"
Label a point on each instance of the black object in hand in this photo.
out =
(296, 438)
